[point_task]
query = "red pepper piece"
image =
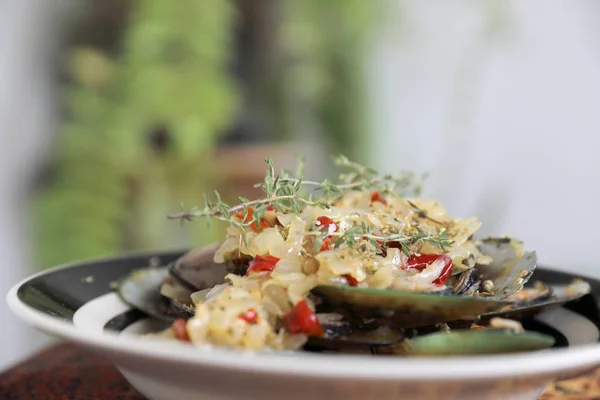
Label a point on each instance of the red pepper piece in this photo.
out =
(262, 224)
(421, 262)
(301, 319)
(262, 263)
(446, 272)
(250, 316)
(375, 196)
(180, 330)
(327, 244)
(326, 223)
(351, 280)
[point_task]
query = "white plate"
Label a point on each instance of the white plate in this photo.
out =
(76, 302)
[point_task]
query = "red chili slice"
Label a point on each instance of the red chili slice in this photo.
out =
(421, 262)
(326, 223)
(250, 316)
(262, 224)
(351, 280)
(327, 244)
(262, 263)
(375, 196)
(180, 330)
(446, 272)
(301, 319)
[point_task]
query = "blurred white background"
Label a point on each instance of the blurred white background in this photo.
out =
(498, 99)
(28, 44)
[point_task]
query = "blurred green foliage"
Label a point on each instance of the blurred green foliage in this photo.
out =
(321, 86)
(140, 124)
(113, 181)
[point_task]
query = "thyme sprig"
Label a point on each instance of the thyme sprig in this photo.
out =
(351, 236)
(286, 193)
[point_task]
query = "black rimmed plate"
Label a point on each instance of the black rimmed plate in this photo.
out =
(78, 302)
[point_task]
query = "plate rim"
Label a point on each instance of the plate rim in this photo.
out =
(328, 366)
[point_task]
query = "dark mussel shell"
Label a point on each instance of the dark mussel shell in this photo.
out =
(469, 342)
(400, 309)
(196, 270)
(539, 297)
(470, 294)
(164, 292)
(510, 269)
(343, 335)
(141, 290)
(466, 283)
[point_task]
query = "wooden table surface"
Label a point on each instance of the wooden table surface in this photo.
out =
(66, 372)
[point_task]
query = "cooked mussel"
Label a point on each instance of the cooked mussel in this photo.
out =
(476, 292)
(532, 300)
(166, 292)
(141, 290)
(469, 342)
(193, 272)
(405, 309)
(465, 283)
(154, 292)
(510, 269)
(196, 270)
(341, 334)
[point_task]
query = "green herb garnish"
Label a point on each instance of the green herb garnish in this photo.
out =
(287, 193)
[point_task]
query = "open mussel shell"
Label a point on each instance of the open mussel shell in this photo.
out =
(165, 293)
(401, 309)
(343, 335)
(532, 300)
(510, 269)
(196, 270)
(141, 290)
(469, 342)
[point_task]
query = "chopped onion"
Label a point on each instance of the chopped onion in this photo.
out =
(289, 264)
(227, 248)
(295, 236)
(200, 296)
(299, 289)
(269, 241)
(339, 266)
(285, 219)
(382, 278)
(205, 294)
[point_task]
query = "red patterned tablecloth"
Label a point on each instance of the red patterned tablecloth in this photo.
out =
(66, 372)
